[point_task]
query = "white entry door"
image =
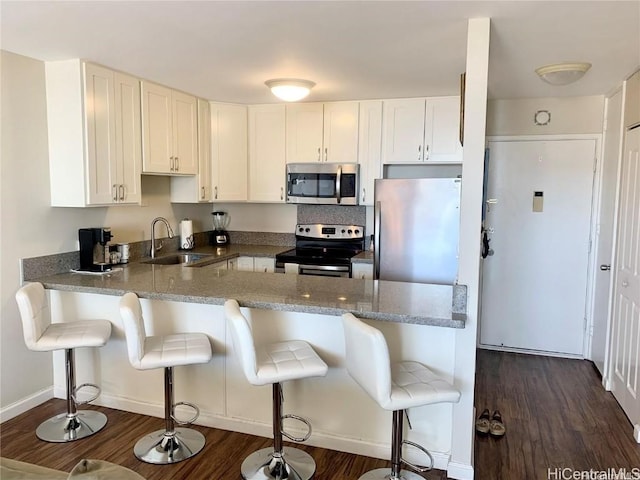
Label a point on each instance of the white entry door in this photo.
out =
(625, 333)
(539, 217)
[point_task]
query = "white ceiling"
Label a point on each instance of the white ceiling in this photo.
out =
(352, 49)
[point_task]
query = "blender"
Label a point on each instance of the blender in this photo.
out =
(219, 236)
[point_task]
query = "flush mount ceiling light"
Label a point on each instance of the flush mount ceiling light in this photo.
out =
(563, 73)
(290, 89)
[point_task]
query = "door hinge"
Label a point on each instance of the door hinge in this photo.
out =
(584, 327)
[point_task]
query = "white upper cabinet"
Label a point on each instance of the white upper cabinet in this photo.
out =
(632, 101)
(369, 157)
(267, 153)
(417, 130)
(317, 132)
(197, 189)
(169, 125)
(229, 152)
(94, 135)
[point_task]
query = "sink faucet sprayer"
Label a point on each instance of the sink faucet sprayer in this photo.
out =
(153, 234)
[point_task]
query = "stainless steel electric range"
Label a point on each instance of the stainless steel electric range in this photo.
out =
(322, 250)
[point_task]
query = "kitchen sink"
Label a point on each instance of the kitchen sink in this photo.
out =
(177, 259)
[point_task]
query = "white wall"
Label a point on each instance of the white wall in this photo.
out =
(30, 227)
(568, 115)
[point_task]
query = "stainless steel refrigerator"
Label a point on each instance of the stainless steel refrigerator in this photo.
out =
(416, 230)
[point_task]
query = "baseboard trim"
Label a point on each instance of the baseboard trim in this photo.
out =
(25, 404)
(251, 427)
(636, 432)
(543, 353)
(460, 471)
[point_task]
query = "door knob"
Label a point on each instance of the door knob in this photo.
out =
(604, 268)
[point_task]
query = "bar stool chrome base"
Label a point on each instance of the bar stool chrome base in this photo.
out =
(69, 427)
(385, 474)
(162, 448)
(266, 464)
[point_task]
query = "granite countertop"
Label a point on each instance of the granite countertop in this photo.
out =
(363, 257)
(438, 305)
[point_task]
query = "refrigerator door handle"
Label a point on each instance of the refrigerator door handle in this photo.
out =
(376, 240)
(338, 184)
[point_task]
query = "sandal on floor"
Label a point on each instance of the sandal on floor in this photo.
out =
(496, 426)
(483, 422)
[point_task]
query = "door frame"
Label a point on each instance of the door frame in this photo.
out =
(593, 238)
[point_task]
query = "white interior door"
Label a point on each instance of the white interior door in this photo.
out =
(535, 285)
(604, 230)
(625, 333)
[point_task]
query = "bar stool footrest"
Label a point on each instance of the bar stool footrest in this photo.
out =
(299, 419)
(418, 468)
(185, 422)
(80, 387)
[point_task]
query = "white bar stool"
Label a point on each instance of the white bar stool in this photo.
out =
(40, 335)
(171, 444)
(394, 387)
(272, 364)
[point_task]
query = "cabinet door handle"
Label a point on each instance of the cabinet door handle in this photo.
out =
(177, 164)
(326, 155)
(319, 159)
(265, 269)
(171, 164)
(281, 193)
(215, 194)
(426, 152)
(121, 190)
(115, 192)
(419, 153)
(364, 194)
(203, 191)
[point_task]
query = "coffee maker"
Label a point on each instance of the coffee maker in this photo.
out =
(219, 236)
(94, 249)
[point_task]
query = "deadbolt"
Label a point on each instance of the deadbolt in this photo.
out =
(604, 268)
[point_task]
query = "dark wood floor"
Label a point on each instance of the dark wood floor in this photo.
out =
(555, 411)
(557, 416)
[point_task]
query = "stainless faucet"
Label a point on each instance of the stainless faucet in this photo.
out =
(153, 234)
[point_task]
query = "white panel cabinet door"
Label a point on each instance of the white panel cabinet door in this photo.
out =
(128, 138)
(267, 153)
(340, 132)
(403, 130)
(185, 134)
(229, 152)
(197, 189)
(157, 130)
(264, 264)
(304, 132)
(244, 264)
(442, 130)
(369, 140)
(101, 181)
(535, 284)
(362, 271)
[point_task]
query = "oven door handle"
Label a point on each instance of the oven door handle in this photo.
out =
(327, 268)
(339, 184)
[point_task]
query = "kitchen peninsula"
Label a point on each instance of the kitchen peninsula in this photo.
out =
(419, 321)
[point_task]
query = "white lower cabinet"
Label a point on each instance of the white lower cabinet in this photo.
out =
(264, 264)
(363, 271)
(252, 264)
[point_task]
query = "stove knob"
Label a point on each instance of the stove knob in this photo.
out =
(349, 232)
(301, 229)
(343, 230)
(306, 230)
(357, 231)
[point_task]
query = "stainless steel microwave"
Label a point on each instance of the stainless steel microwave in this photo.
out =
(323, 183)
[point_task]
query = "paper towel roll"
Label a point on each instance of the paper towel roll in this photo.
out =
(186, 234)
